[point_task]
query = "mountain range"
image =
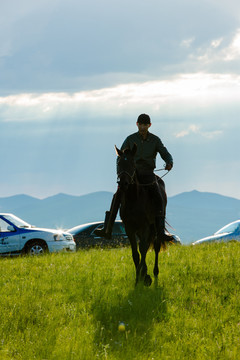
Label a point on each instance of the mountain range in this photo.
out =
(190, 215)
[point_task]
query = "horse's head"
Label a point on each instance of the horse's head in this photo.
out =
(126, 167)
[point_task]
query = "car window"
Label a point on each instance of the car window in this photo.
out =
(229, 228)
(118, 228)
(3, 226)
(17, 221)
(99, 227)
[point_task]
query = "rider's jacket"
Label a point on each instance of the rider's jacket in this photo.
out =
(147, 149)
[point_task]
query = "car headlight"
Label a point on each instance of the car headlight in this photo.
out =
(59, 237)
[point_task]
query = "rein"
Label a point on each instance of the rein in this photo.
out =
(162, 170)
(137, 182)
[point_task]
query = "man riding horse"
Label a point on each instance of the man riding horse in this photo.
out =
(148, 145)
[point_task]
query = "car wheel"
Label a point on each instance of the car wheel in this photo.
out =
(36, 248)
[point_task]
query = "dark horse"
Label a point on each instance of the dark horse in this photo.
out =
(137, 212)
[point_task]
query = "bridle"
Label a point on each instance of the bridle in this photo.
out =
(130, 172)
(133, 178)
(129, 175)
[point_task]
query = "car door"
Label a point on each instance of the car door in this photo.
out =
(119, 234)
(9, 238)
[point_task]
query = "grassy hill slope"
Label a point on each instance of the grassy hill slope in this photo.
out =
(68, 306)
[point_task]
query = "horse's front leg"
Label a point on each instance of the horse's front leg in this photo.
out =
(135, 253)
(142, 269)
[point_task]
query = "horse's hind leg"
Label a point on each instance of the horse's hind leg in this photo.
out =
(159, 240)
(135, 255)
(157, 249)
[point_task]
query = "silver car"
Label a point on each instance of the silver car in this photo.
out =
(229, 232)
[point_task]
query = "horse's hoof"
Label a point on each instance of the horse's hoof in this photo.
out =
(147, 280)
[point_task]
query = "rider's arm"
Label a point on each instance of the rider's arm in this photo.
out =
(165, 155)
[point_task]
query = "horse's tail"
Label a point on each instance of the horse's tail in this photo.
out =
(161, 231)
(170, 238)
(158, 235)
(163, 241)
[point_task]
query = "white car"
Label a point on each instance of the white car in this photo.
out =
(229, 232)
(19, 237)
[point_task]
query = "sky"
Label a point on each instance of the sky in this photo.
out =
(75, 75)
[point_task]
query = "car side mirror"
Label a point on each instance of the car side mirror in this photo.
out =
(11, 228)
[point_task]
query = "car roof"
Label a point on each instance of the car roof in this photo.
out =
(91, 224)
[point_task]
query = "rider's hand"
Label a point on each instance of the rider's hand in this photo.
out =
(168, 167)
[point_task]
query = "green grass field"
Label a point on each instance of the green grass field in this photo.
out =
(68, 306)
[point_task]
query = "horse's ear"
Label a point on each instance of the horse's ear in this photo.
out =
(118, 151)
(134, 149)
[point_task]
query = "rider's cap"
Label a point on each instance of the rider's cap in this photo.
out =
(144, 119)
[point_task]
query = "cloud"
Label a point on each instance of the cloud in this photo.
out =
(74, 75)
(72, 45)
(191, 128)
(216, 43)
(187, 42)
(232, 52)
(183, 92)
(219, 53)
(196, 129)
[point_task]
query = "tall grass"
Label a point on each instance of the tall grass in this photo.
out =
(68, 306)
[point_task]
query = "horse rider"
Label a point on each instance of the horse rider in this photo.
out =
(148, 145)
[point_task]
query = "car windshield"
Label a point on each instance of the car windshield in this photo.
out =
(16, 221)
(118, 228)
(229, 228)
(77, 229)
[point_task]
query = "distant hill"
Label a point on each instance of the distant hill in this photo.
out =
(58, 211)
(191, 215)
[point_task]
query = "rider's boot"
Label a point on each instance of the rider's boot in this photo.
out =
(110, 217)
(102, 232)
